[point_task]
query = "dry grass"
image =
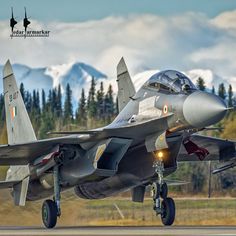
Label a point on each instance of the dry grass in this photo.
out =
(102, 212)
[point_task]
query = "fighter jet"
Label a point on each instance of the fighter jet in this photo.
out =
(13, 22)
(155, 129)
(26, 21)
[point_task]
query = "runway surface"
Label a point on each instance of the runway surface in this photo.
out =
(124, 231)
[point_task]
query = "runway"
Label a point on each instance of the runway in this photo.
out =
(124, 231)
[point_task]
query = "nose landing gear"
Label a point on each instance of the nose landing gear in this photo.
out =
(159, 189)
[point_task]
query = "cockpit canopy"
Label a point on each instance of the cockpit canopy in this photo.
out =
(170, 81)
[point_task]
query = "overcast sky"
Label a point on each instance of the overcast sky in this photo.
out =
(150, 34)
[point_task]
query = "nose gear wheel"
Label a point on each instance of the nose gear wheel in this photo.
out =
(159, 190)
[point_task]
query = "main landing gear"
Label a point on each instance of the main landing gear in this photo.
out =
(159, 189)
(51, 208)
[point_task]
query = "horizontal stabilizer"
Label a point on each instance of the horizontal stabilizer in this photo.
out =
(8, 184)
(20, 188)
(20, 192)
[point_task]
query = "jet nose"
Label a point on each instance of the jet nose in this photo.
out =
(202, 109)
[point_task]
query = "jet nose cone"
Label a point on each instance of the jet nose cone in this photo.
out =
(202, 109)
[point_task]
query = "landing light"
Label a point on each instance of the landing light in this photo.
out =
(159, 155)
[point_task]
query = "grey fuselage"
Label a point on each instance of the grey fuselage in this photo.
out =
(131, 165)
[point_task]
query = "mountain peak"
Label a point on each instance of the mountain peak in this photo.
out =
(75, 73)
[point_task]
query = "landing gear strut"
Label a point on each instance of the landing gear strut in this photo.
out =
(159, 189)
(51, 208)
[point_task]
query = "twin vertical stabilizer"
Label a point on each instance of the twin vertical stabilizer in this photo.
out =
(19, 127)
(126, 88)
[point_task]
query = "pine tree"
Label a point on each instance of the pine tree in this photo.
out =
(222, 91)
(230, 96)
(100, 101)
(34, 102)
(49, 101)
(47, 124)
(28, 101)
(110, 97)
(109, 103)
(43, 100)
(2, 109)
(47, 118)
(54, 101)
(35, 111)
(68, 108)
(58, 102)
(81, 114)
(22, 91)
(213, 90)
(116, 106)
(201, 84)
(91, 104)
(38, 102)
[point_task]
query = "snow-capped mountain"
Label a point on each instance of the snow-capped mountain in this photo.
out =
(33, 78)
(77, 74)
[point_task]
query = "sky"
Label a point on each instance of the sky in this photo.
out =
(83, 10)
(150, 34)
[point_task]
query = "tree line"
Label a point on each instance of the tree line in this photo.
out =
(52, 112)
(97, 108)
(221, 91)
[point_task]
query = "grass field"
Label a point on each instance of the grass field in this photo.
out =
(75, 211)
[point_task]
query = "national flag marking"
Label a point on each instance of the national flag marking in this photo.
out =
(13, 112)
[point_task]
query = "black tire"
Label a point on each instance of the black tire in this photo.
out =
(168, 211)
(164, 191)
(49, 213)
